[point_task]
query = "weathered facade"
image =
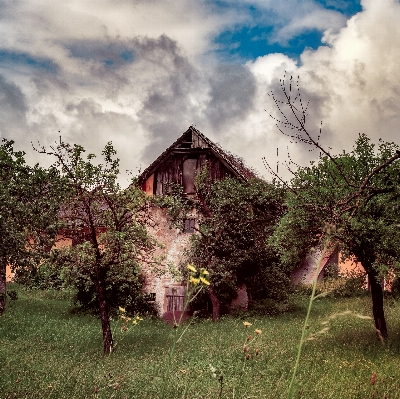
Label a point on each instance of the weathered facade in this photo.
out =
(178, 164)
(190, 153)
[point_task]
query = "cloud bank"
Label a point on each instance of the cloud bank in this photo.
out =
(139, 73)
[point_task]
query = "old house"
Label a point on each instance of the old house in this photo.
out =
(178, 164)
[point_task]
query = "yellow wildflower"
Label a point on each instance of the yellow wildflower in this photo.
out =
(134, 322)
(194, 281)
(122, 310)
(204, 281)
(204, 272)
(192, 268)
(246, 324)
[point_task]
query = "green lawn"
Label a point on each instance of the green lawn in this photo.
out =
(48, 352)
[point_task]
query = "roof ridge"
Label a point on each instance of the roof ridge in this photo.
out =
(233, 161)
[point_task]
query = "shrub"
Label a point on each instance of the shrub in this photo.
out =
(123, 287)
(349, 285)
(396, 287)
(268, 306)
(13, 295)
(48, 276)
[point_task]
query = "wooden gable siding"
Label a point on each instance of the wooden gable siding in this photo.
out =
(179, 163)
(172, 171)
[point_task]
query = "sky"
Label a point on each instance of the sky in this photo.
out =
(140, 72)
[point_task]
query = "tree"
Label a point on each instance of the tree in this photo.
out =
(29, 205)
(356, 194)
(235, 220)
(106, 226)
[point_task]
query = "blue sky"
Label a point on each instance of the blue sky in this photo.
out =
(140, 72)
(252, 40)
(249, 43)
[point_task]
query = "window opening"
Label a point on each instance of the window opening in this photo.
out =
(189, 226)
(188, 173)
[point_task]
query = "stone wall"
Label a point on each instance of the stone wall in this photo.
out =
(161, 280)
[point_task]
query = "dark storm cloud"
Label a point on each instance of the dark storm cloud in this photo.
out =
(13, 109)
(106, 60)
(233, 88)
(140, 72)
(167, 109)
(46, 84)
(111, 54)
(180, 95)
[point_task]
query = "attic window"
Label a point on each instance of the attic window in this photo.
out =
(189, 171)
(189, 226)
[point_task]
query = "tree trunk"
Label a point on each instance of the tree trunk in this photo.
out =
(249, 297)
(105, 321)
(3, 286)
(216, 305)
(377, 305)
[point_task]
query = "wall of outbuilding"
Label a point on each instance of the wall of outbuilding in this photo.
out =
(161, 279)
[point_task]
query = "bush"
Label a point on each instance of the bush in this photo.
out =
(13, 295)
(48, 276)
(123, 287)
(351, 285)
(268, 306)
(396, 288)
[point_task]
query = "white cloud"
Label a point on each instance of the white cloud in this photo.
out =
(139, 73)
(353, 84)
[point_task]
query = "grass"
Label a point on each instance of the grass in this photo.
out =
(46, 351)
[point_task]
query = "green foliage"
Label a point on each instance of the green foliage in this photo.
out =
(352, 198)
(124, 288)
(108, 233)
(345, 287)
(331, 271)
(12, 294)
(269, 307)
(30, 199)
(358, 193)
(49, 275)
(395, 289)
(351, 286)
(176, 204)
(235, 220)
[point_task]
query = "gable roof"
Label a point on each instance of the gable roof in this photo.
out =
(193, 139)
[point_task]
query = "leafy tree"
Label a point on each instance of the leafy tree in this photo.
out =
(235, 220)
(355, 194)
(106, 225)
(29, 205)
